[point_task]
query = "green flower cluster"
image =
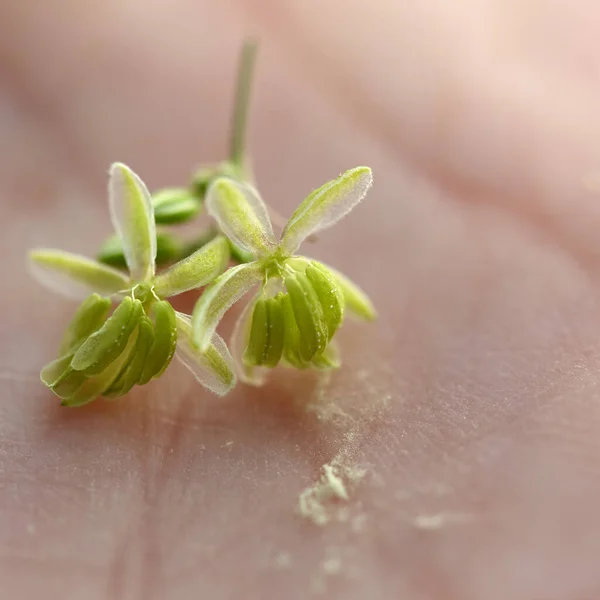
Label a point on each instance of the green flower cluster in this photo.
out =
(106, 354)
(300, 303)
(125, 332)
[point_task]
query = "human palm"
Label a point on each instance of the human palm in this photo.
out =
(462, 425)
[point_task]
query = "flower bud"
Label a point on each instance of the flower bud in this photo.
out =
(168, 249)
(175, 205)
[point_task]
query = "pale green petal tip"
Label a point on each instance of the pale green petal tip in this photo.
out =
(325, 206)
(214, 369)
(358, 173)
(119, 168)
(132, 215)
(356, 301)
(241, 214)
(366, 310)
(224, 186)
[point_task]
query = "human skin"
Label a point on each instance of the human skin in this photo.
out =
(471, 406)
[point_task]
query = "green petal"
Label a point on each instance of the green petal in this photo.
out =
(197, 270)
(214, 369)
(73, 275)
(132, 215)
(241, 215)
(96, 385)
(132, 370)
(107, 344)
(326, 206)
(329, 294)
(88, 318)
(227, 289)
(175, 205)
(356, 301)
(308, 313)
(164, 344)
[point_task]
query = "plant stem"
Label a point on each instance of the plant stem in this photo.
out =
(242, 100)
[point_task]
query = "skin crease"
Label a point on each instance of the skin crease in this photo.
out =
(472, 403)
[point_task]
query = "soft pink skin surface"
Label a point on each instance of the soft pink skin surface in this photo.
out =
(474, 400)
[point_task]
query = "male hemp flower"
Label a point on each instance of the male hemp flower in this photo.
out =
(103, 355)
(301, 302)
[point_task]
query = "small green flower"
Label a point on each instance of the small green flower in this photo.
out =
(105, 355)
(301, 302)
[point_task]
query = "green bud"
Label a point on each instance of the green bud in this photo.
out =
(309, 316)
(202, 178)
(111, 253)
(175, 205)
(107, 344)
(88, 318)
(206, 175)
(165, 341)
(329, 294)
(168, 249)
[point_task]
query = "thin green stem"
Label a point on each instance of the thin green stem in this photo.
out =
(237, 145)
